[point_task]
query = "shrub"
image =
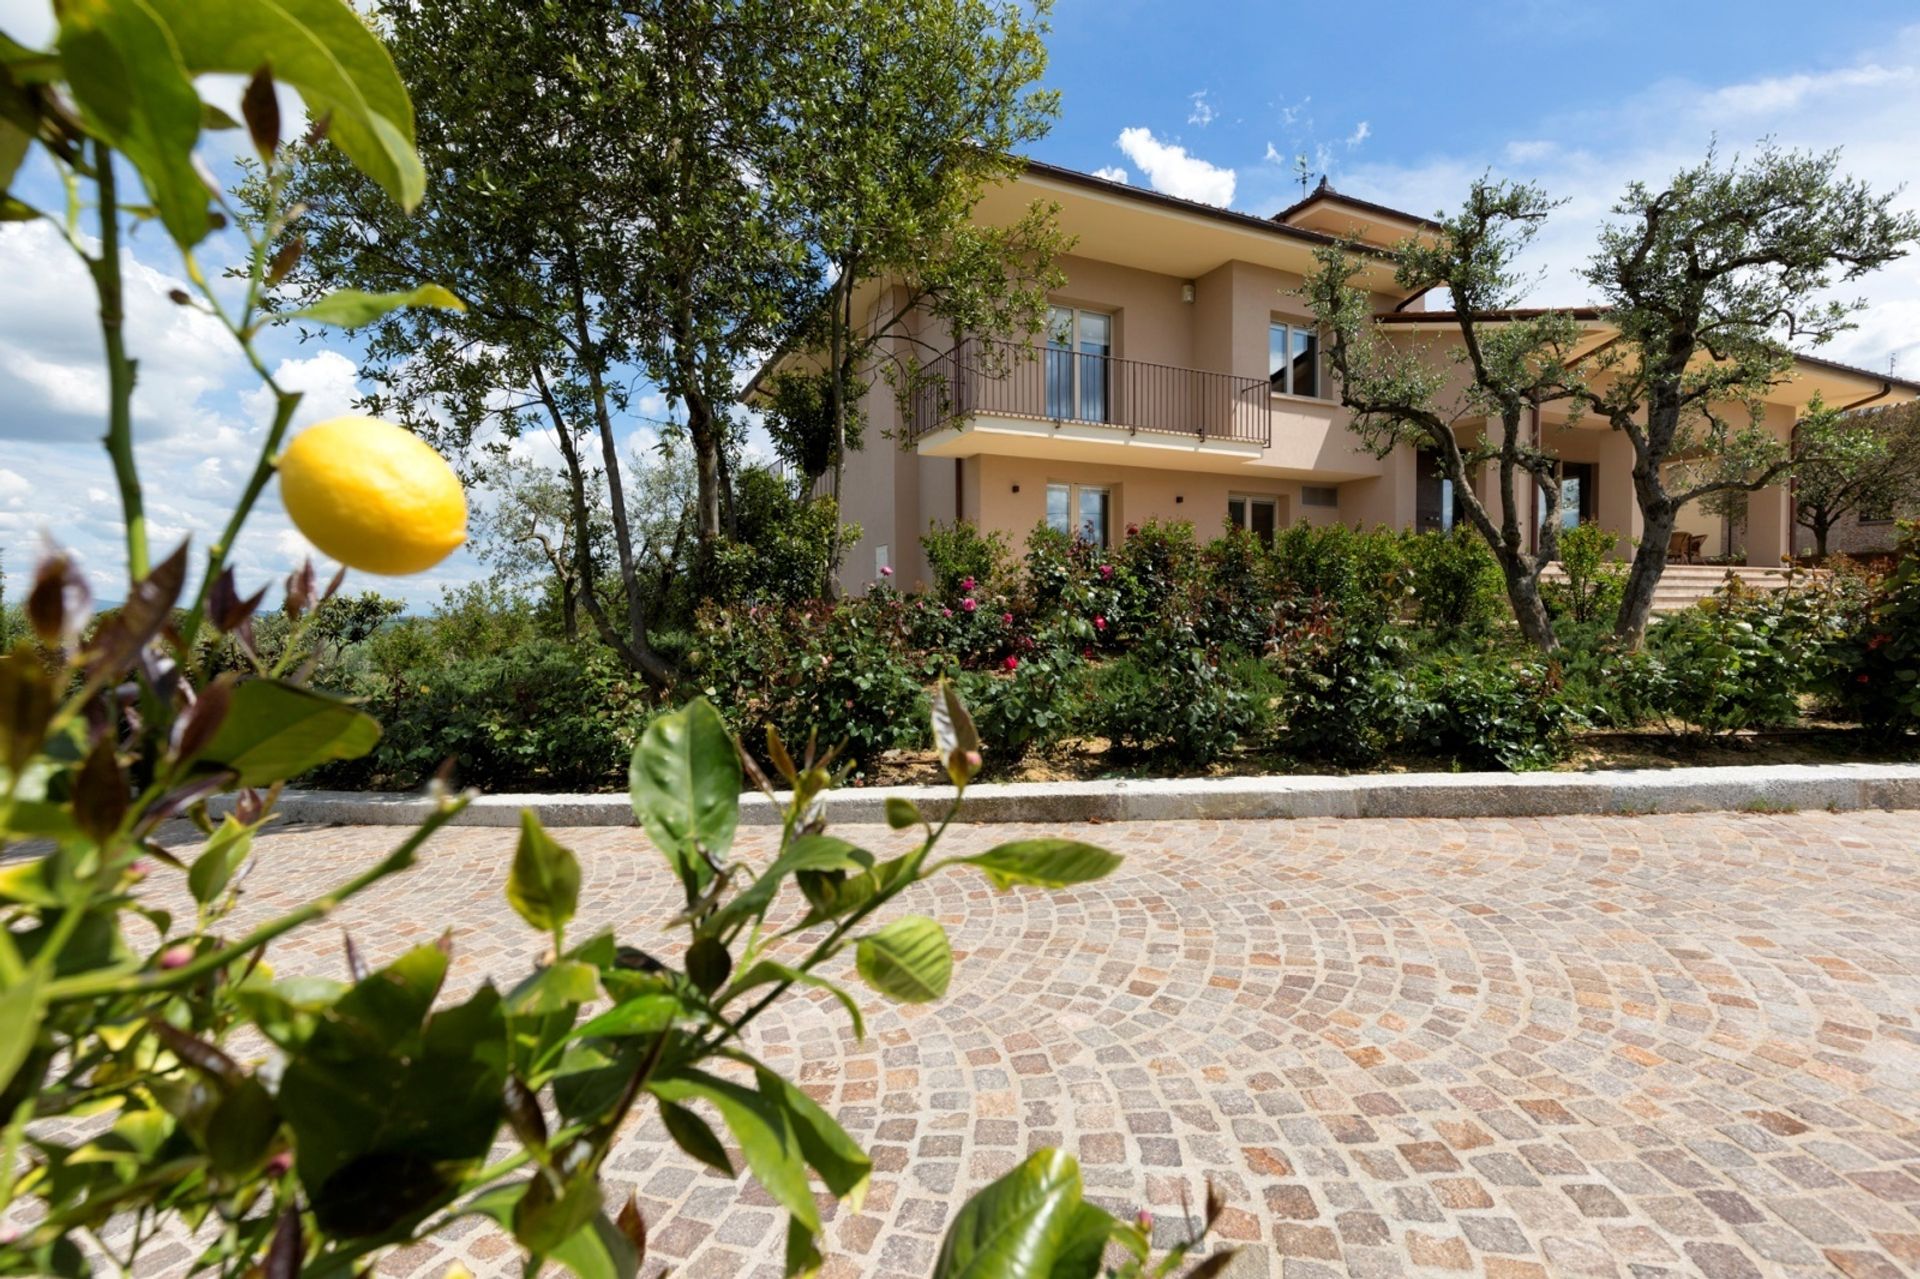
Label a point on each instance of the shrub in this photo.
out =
(541, 714)
(1171, 697)
(959, 552)
(1026, 707)
(1345, 698)
(1615, 686)
(1456, 582)
(1360, 576)
(1237, 577)
(844, 670)
(1593, 586)
(1488, 712)
(1873, 669)
(1734, 661)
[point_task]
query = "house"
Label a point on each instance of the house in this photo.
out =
(1181, 378)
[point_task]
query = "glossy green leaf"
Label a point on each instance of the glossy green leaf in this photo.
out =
(323, 49)
(909, 960)
(1048, 863)
(127, 76)
(1085, 1244)
(543, 886)
(351, 308)
(684, 780)
(213, 869)
(274, 731)
(765, 1135)
(1016, 1227)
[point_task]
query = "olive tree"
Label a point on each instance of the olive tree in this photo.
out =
(1512, 365)
(1712, 281)
(1853, 464)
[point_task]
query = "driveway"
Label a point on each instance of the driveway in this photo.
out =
(1511, 1048)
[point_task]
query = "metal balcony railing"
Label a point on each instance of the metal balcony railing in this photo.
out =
(1051, 384)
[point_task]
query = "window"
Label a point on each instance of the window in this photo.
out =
(1082, 511)
(1293, 359)
(1259, 516)
(1319, 495)
(1079, 344)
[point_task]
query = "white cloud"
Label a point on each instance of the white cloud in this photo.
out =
(1361, 132)
(1202, 111)
(1112, 173)
(1867, 108)
(1171, 170)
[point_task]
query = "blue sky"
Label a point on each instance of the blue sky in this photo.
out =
(1400, 103)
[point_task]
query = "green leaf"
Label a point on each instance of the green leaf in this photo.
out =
(909, 960)
(546, 1216)
(684, 779)
(696, 1137)
(1085, 1244)
(833, 893)
(240, 1130)
(837, 1157)
(807, 853)
(213, 869)
(647, 1015)
(803, 1255)
(544, 885)
(324, 50)
(126, 74)
(767, 971)
(351, 308)
(563, 985)
(20, 1007)
(598, 1250)
(276, 731)
(1048, 863)
(766, 1137)
(1016, 1227)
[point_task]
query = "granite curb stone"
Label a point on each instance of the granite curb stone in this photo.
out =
(1781, 787)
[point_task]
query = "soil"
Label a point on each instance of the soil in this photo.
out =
(1090, 759)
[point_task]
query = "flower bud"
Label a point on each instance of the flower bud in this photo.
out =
(176, 957)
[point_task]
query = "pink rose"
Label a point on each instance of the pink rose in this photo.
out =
(1099, 623)
(886, 570)
(966, 585)
(969, 604)
(1106, 570)
(1006, 619)
(946, 612)
(1012, 663)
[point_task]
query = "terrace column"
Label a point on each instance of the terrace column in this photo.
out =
(1769, 526)
(1615, 507)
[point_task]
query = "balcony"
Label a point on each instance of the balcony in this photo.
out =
(998, 397)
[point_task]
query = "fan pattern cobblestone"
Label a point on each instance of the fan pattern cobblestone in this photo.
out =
(1630, 1046)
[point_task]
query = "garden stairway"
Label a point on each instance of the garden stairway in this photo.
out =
(1684, 585)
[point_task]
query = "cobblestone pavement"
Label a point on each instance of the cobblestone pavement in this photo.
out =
(1572, 1046)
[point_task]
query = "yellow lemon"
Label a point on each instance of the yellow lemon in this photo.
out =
(373, 496)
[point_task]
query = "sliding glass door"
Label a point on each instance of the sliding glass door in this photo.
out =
(1079, 345)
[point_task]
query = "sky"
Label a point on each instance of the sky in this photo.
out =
(1399, 103)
